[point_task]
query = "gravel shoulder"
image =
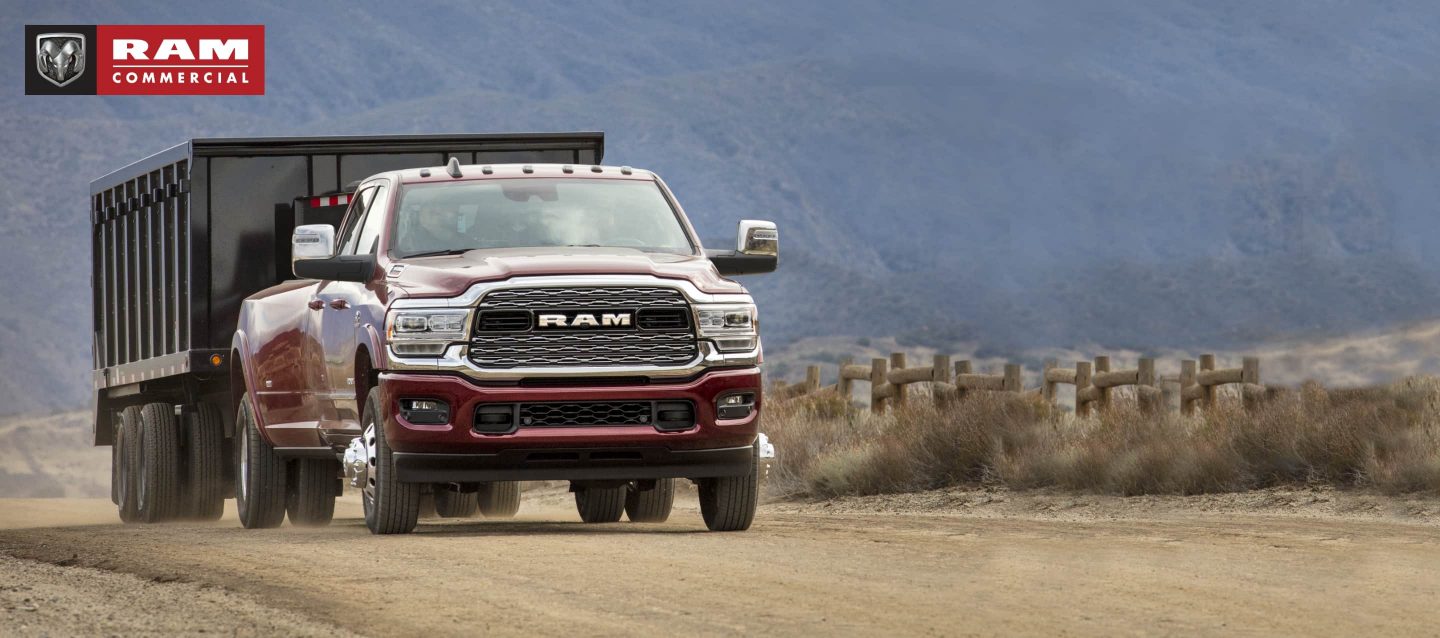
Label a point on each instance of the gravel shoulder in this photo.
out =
(945, 563)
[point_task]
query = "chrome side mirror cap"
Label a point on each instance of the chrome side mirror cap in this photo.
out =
(311, 241)
(757, 237)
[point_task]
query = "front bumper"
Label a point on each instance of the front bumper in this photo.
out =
(454, 452)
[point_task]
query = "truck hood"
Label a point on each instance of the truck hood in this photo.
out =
(451, 275)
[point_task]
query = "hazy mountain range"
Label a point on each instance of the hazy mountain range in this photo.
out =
(1138, 175)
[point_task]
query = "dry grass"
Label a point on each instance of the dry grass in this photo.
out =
(1384, 438)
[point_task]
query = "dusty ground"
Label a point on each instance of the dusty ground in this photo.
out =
(943, 563)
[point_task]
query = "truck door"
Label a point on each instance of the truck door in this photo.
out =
(341, 304)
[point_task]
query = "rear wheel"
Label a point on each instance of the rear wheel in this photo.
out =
(310, 499)
(391, 507)
(652, 505)
(126, 455)
(500, 499)
(600, 504)
(205, 464)
(159, 470)
(452, 504)
(727, 503)
(259, 474)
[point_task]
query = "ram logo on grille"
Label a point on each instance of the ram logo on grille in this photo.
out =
(584, 320)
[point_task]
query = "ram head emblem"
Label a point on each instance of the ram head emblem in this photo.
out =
(60, 57)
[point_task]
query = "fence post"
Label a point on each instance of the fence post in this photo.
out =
(940, 374)
(877, 382)
(843, 384)
(1082, 381)
(1147, 395)
(1012, 377)
(1187, 379)
(897, 362)
(812, 379)
(1046, 385)
(1250, 382)
(1207, 362)
(1102, 364)
(961, 367)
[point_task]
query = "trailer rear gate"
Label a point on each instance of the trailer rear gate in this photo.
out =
(180, 238)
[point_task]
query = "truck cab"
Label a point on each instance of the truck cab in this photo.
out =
(469, 326)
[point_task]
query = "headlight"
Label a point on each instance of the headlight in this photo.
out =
(733, 327)
(425, 332)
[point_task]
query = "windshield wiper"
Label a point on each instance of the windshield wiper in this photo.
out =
(441, 253)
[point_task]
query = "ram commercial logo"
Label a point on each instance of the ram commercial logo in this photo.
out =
(145, 59)
(583, 320)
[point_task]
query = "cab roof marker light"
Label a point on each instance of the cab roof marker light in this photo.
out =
(527, 169)
(626, 170)
(486, 170)
(595, 169)
(567, 169)
(424, 172)
(453, 167)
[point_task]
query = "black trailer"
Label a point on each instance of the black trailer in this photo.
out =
(180, 238)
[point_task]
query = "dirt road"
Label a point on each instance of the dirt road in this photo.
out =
(973, 564)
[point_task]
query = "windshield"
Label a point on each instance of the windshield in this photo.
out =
(536, 212)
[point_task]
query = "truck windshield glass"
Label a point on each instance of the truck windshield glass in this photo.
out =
(537, 212)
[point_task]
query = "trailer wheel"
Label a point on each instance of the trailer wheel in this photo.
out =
(652, 505)
(310, 501)
(452, 504)
(259, 474)
(159, 475)
(391, 507)
(500, 499)
(205, 464)
(600, 504)
(727, 503)
(126, 458)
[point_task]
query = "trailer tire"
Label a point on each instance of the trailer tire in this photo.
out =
(452, 504)
(127, 463)
(600, 504)
(500, 499)
(310, 499)
(259, 474)
(727, 503)
(391, 507)
(205, 464)
(652, 505)
(159, 475)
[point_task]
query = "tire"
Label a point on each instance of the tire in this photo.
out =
(652, 505)
(159, 470)
(500, 499)
(205, 465)
(310, 499)
(600, 504)
(127, 462)
(391, 507)
(452, 504)
(727, 503)
(259, 474)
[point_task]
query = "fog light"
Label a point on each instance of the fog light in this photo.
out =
(425, 411)
(735, 406)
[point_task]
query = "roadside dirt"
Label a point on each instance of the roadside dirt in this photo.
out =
(940, 563)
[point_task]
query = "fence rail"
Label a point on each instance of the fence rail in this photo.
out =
(1095, 382)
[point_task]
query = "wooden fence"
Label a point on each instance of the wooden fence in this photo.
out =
(1095, 382)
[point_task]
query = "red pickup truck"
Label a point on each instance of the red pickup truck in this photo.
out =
(469, 325)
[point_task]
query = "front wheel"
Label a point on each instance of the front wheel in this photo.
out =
(259, 474)
(600, 504)
(727, 503)
(500, 499)
(391, 507)
(452, 504)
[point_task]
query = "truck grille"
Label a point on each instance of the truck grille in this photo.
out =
(657, 328)
(576, 414)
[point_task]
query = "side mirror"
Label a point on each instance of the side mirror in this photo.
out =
(312, 256)
(757, 250)
(312, 241)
